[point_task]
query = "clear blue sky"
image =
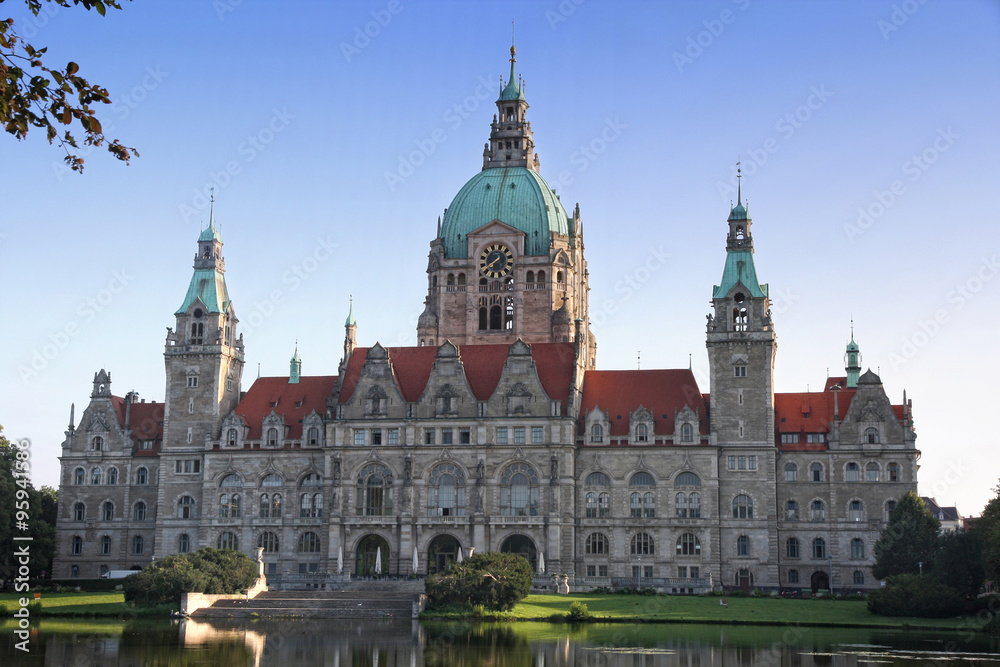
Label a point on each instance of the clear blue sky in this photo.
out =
(639, 111)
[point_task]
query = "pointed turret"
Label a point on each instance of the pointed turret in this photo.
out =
(295, 366)
(511, 143)
(852, 361)
(350, 332)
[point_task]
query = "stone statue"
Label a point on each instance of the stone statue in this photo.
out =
(480, 469)
(408, 469)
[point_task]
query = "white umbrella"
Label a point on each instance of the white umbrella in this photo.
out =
(414, 559)
(459, 557)
(378, 560)
(541, 563)
(340, 560)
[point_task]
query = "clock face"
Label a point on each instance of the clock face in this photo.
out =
(496, 260)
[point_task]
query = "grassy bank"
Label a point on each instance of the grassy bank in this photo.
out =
(693, 609)
(104, 604)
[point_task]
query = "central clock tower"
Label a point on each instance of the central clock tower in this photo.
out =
(507, 262)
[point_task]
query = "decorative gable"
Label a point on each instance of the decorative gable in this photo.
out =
(598, 427)
(641, 427)
(686, 427)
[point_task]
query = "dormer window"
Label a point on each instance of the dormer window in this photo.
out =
(272, 436)
(871, 436)
(687, 433)
(597, 433)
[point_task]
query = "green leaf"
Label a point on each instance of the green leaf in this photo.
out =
(72, 68)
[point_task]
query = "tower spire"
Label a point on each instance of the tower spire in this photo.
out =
(739, 180)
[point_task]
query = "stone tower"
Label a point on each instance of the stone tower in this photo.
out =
(507, 262)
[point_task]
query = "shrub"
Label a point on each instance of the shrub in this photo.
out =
(647, 591)
(578, 611)
(495, 580)
(602, 590)
(915, 595)
(207, 570)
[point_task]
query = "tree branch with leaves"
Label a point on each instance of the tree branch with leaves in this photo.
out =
(33, 95)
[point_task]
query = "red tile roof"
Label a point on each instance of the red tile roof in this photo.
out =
(662, 392)
(483, 366)
(145, 420)
(293, 401)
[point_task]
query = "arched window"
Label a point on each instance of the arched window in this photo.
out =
(142, 476)
(688, 545)
(791, 472)
(852, 472)
(687, 433)
(856, 511)
(791, 511)
(74, 571)
(890, 507)
(694, 505)
(649, 505)
(742, 507)
(681, 505)
(268, 541)
(232, 481)
(375, 491)
(112, 477)
(642, 479)
(635, 505)
(857, 548)
(97, 443)
(183, 543)
(742, 545)
(496, 318)
(687, 479)
(559, 276)
(519, 491)
(871, 435)
(271, 481)
(79, 512)
(232, 436)
(312, 479)
(78, 476)
(642, 544)
(819, 548)
(139, 511)
(641, 433)
(859, 578)
(228, 540)
(76, 546)
(530, 278)
(871, 472)
(597, 544)
(541, 277)
(483, 317)
(313, 436)
(591, 505)
(272, 436)
(604, 505)
(185, 507)
(446, 491)
(95, 476)
(892, 471)
(270, 506)
(138, 545)
(108, 511)
(597, 479)
(309, 543)
(817, 511)
(816, 472)
(105, 545)
(597, 433)
(792, 549)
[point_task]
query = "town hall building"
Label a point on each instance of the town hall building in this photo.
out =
(496, 431)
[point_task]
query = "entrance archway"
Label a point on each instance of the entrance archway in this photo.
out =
(370, 547)
(744, 579)
(820, 581)
(521, 545)
(441, 553)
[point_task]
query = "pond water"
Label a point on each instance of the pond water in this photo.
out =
(348, 642)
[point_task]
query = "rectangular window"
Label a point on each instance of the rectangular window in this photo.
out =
(752, 462)
(682, 572)
(192, 381)
(179, 466)
(537, 435)
(636, 571)
(502, 435)
(591, 570)
(789, 438)
(647, 571)
(740, 371)
(393, 436)
(695, 572)
(429, 437)
(377, 436)
(742, 462)
(464, 436)
(815, 438)
(602, 570)
(446, 436)
(518, 435)
(731, 462)
(359, 436)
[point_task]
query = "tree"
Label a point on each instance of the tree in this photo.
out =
(207, 570)
(910, 538)
(18, 495)
(960, 557)
(915, 595)
(495, 580)
(34, 95)
(987, 527)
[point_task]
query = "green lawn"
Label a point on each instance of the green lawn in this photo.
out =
(110, 603)
(708, 610)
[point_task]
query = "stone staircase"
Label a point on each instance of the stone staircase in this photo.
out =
(375, 601)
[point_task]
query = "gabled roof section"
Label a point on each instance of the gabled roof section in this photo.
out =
(208, 285)
(739, 269)
(662, 392)
(145, 420)
(483, 366)
(292, 401)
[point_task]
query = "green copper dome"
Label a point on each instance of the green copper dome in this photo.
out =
(738, 213)
(517, 196)
(210, 233)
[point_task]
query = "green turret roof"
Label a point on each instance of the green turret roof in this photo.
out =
(738, 213)
(739, 270)
(512, 91)
(210, 233)
(209, 286)
(351, 322)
